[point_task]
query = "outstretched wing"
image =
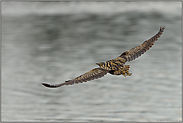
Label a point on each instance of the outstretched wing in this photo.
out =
(93, 74)
(141, 49)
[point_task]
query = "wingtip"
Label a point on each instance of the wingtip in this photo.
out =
(46, 85)
(162, 27)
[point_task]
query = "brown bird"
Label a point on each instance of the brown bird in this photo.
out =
(115, 66)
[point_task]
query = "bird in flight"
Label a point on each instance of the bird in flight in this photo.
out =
(115, 66)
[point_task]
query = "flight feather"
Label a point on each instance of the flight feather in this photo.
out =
(142, 48)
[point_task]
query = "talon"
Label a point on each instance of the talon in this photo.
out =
(124, 74)
(129, 74)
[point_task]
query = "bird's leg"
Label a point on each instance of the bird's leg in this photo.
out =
(124, 74)
(129, 74)
(125, 71)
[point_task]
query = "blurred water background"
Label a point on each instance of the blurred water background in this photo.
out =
(57, 41)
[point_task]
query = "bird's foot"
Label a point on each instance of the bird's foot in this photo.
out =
(126, 73)
(129, 74)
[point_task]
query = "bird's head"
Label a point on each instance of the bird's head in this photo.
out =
(100, 64)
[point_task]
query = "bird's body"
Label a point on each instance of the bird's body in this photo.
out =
(115, 66)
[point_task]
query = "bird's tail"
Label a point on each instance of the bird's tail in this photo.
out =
(53, 86)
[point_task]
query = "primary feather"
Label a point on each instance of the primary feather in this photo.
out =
(141, 49)
(93, 74)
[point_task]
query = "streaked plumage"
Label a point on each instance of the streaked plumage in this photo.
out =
(115, 66)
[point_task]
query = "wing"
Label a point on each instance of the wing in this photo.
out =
(93, 74)
(141, 49)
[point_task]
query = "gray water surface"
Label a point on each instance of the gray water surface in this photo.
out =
(53, 48)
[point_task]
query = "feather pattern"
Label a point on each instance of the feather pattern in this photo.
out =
(93, 74)
(141, 49)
